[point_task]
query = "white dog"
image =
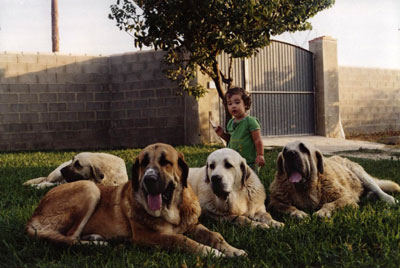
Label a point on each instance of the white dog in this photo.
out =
(229, 189)
(102, 168)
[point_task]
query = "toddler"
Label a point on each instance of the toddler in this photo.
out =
(243, 131)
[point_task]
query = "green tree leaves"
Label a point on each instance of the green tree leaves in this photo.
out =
(195, 32)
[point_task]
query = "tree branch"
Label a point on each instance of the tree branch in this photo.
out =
(204, 69)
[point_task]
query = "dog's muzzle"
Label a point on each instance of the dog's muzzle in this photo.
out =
(71, 176)
(152, 182)
(218, 187)
(291, 156)
(293, 166)
(156, 190)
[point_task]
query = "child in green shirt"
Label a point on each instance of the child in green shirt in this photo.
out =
(243, 131)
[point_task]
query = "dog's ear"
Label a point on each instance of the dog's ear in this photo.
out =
(98, 175)
(135, 175)
(185, 169)
(207, 177)
(245, 171)
(320, 161)
(279, 163)
(303, 148)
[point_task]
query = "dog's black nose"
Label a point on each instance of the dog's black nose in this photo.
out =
(216, 179)
(289, 154)
(218, 187)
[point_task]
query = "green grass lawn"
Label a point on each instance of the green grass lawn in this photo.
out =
(367, 237)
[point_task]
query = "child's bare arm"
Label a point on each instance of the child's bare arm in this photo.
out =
(220, 132)
(256, 136)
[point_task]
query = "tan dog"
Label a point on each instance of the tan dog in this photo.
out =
(228, 189)
(305, 180)
(155, 208)
(105, 169)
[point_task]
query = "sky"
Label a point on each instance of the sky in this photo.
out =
(367, 31)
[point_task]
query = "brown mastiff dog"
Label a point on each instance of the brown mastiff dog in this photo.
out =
(155, 208)
(305, 180)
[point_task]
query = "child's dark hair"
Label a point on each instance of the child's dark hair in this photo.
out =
(240, 91)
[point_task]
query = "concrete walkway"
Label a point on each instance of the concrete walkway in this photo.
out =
(326, 145)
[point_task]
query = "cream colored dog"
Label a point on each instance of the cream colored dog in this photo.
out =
(229, 189)
(102, 168)
(305, 180)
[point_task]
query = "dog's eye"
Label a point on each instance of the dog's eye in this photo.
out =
(212, 166)
(228, 165)
(164, 161)
(145, 161)
(77, 165)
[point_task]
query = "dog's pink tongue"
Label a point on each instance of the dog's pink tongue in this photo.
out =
(295, 177)
(154, 201)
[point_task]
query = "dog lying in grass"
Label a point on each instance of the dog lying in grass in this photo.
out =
(228, 189)
(102, 168)
(155, 208)
(306, 180)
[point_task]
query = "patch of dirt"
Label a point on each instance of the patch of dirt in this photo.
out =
(393, 154)
(390, 137)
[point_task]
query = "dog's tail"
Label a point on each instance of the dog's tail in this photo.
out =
(388, 186)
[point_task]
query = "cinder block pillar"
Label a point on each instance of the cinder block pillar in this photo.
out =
(327, 87)
(191, 126)
(207, 109)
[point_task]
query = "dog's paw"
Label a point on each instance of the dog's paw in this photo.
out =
(299, 214)
(258, 224)
(230, 251)
(93, 242)
(234, 252)
(323, 213)
(99, 243)
(93, 239)
(390, 199)
(276, 224)
(207, 250)
(239, 252)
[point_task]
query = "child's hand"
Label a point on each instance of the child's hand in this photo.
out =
(260, 161)
(219, 131)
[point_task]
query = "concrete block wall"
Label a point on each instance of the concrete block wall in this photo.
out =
(57, 101)
(369, 99)
(145, 107)
(53, 101)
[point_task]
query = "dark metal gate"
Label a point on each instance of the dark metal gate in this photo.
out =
(280, 79)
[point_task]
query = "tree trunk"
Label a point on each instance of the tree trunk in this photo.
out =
(54, 26)
(221, 92)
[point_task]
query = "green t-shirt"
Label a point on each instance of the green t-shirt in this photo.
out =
(241, 139)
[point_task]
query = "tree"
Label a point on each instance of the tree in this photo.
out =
(54, 26)
(195, 32)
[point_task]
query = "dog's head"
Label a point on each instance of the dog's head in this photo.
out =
(226, 171)
(159, 175)
(82, 167)
(300, 162)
